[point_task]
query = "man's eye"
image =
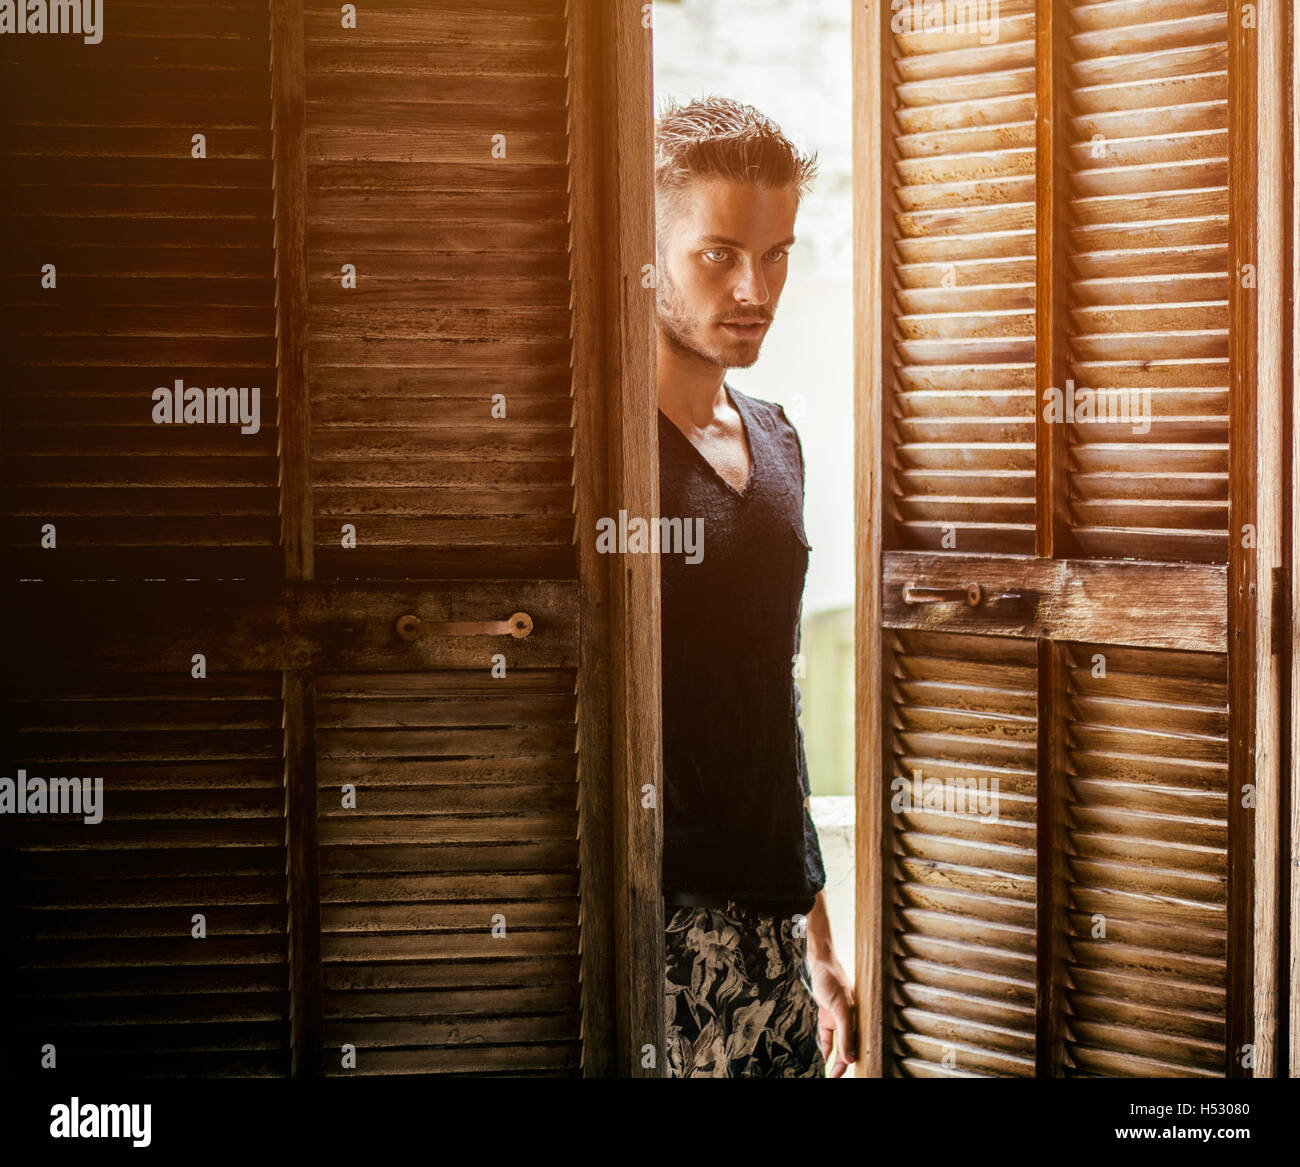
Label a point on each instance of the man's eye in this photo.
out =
(778, 254)
(717, 255)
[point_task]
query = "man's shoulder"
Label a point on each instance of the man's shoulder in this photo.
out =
(771, 411)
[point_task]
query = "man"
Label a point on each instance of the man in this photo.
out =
(752, 987)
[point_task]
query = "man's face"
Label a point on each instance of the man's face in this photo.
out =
(722, 265)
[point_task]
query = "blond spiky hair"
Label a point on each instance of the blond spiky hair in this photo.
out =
(715, 137)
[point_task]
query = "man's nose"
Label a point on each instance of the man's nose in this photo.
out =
(752, 287)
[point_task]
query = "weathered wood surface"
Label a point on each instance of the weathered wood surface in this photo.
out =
(1157, 605)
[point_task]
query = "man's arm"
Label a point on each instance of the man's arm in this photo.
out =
(833, 990)
(832, 987)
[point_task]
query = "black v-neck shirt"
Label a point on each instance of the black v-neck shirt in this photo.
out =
(735, 772)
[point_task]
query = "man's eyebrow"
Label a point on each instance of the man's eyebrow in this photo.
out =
(737, 243)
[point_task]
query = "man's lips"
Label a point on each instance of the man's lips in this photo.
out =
(745, 331)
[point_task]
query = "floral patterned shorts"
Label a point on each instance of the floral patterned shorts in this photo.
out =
(738, 999)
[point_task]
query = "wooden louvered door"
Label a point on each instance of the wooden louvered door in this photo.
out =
(398, 817)
(1069, 525)
(130, 263)
(438, 358)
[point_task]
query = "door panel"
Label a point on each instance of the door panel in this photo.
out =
(460, 917)
(963, 885)
(449, 896)
(163, 266)
(1070, 186)
(962, 260)
(441, 430)
(441, 175)
(1148, 861)
(1148, 289)
(162, 272)
(107, 969)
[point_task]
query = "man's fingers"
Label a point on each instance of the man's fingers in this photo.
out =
(848, 1047)
(843, 1038)
(835, 1025)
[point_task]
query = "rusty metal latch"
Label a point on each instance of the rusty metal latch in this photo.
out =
(971, 594)
(413, 628)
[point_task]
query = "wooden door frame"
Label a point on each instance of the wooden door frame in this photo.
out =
(869, 354)
(1256, 176)
(1290, 601)
(1256, 583)
(616, 467)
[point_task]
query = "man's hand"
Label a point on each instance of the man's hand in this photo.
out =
(833, 991)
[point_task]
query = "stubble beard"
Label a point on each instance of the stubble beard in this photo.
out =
(684, 332)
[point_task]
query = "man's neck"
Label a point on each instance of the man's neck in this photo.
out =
(689, 388)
